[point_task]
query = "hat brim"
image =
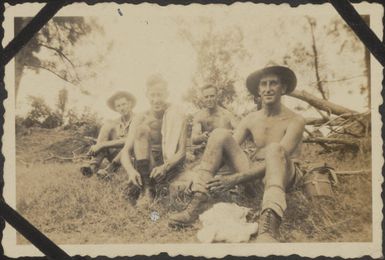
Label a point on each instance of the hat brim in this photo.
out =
(286, 75)
(120, 94)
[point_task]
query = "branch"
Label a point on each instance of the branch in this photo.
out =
(339, 80)
(58, 51)
(358, 172)
(326, 140)
(321, 104)
(53, 72)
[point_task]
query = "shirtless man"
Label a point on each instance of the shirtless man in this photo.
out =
(112, 134)
(211, 117)
(144, 143)
(277, 133)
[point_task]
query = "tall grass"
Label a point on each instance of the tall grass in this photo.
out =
(72, 209)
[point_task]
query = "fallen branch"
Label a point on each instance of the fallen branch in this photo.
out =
(353, 172)
(326, 140)
(53, 156)
(321, 104)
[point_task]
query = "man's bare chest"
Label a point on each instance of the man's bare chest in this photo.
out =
(155, 127)
(266, 132)
(212, 122)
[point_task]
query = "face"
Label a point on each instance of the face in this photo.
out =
(123, 106)
(209, 97)
(271, 89)
(157, 96)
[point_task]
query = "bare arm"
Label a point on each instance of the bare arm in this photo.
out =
(197, 137)
(233, 121)
(293, 135)
(125, 154)
(117, 143)
(241, 131)
(289, 142)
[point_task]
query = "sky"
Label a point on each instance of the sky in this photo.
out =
(145, 40)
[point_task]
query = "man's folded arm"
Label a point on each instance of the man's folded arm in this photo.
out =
(197, 136)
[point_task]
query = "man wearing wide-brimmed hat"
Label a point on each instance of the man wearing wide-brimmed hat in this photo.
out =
(276, 132)
(112, 134)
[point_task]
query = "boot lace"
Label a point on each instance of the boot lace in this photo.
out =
(267, 222)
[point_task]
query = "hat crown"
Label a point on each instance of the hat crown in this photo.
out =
(286, 75)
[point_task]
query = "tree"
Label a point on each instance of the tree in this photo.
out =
(62, 100)
(217, 54)
(59, 38)
(329, 44)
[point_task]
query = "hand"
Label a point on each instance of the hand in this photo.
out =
(205, 136)
(188, 191)
(95, 149)
(158, 173)
(135, 179)
(221, 183)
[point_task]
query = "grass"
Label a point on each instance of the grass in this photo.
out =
(72, 209)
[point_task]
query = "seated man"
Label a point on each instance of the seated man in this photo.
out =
(112, 134)
(212, 116)
(157, 141)
(277, 133)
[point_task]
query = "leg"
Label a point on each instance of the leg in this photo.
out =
(279, 172)
(96, 160)
(221, 147)
(142, 152)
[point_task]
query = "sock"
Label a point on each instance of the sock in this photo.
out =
(274, 198)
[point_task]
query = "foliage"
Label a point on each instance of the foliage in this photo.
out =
(217, 52)
(53, 48)
(86, 123)
(321, 50)
(41, 115)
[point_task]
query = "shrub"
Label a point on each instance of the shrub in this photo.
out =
(87, 123)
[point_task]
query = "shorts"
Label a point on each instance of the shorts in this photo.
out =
(296, 175)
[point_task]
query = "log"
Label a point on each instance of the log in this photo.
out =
(321, 121)
(326, 140)
(352, 172)
(321, 104)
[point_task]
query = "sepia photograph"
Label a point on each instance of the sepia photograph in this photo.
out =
(232, 125)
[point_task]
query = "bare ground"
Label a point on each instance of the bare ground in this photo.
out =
(72, 209)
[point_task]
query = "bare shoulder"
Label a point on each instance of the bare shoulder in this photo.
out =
(139, 118)
(295, 118)
(226, 112)
(198, 116)
(251, 118)
(109, 123)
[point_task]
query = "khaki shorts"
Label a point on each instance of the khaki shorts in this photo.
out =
(295, 173)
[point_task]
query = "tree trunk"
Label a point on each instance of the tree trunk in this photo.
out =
(316, 62)
(321, 104)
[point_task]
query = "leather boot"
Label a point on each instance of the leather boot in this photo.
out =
(268, 229)
(187, 217)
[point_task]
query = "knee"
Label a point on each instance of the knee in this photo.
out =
(219, 135)
(142, 131)
(275, 150)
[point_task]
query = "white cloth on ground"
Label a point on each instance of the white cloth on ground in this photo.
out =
(226, 222)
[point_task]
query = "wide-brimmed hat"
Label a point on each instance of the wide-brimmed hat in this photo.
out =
(120, 94)
(286, 75)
